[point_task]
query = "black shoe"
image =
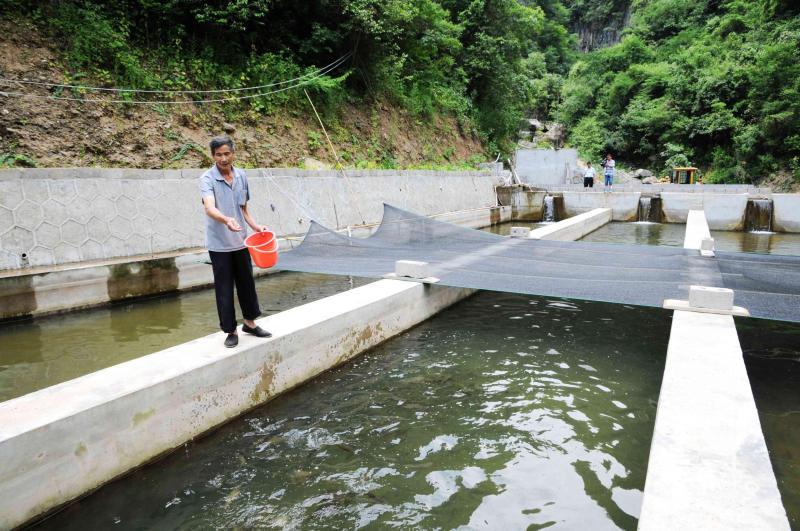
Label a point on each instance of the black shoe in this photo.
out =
(257, 331)
(232, 340)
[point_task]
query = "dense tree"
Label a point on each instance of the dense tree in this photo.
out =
(714, 83)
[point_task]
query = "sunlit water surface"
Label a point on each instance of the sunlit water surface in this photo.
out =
(638, 233)
(503, 412)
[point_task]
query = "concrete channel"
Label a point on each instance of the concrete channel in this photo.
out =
(709, 467)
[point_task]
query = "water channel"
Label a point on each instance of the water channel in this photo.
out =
(505, 410)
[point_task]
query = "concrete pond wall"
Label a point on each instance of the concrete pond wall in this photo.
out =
(545, 166)
(74, 238)
(724, 211)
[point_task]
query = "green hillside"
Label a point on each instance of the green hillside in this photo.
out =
(714, 83)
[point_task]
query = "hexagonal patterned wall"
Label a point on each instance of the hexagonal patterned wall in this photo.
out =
(51, 221)
(51, 217)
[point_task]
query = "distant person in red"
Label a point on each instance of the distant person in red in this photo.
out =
(225, 194)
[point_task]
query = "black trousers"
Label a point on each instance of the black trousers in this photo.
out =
(231, 268)
(588, 182)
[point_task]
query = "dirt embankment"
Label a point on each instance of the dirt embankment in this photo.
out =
(50, 133)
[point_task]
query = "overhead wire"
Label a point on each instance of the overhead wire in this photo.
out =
(316, 76)
(9, 81)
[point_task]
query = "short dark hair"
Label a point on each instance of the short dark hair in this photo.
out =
(219, 141)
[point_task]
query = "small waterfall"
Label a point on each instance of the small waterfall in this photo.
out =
(649, 210)
(549, 209)
(644, 209)
(758, 215)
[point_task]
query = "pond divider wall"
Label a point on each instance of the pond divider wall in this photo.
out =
(709, 467)
(573, 228)
(786, 212)
(724, 209)
(65, 441)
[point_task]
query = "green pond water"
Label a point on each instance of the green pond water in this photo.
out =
(505, 411)
(504, 229)
(638, 233)
(772, 357)
(672, 234)
(50, 350)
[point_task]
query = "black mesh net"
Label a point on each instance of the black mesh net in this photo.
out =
(768, 286)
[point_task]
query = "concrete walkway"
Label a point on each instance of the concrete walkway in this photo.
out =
(573, 228)
(709, 467)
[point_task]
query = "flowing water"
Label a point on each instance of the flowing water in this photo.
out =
(50, 350)
(505, 411)
(638, 233)
(758, 215)
(549, 209)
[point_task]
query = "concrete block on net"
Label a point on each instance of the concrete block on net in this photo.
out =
(520, 232)
(707, 247)
(711, 298)
(412, 269)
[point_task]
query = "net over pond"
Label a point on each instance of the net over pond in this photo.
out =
(768, 286)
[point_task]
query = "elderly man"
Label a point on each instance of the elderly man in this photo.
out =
(225, 193)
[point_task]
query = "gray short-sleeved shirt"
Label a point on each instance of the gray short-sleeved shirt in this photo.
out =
(229, 200)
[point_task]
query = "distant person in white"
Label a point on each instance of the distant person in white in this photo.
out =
(608, 172)
(588, 176)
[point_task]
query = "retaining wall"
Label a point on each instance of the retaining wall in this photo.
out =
(786, 212)
(636, 185)
(78, 286)
(526, 204)
(51, 217)
(624, 205)
(546, 166)
(723, 211)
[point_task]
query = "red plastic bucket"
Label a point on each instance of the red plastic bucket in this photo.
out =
(263, 248)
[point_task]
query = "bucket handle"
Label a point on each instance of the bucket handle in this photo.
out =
(260, 244)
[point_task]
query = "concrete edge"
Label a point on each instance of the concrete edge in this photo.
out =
(574, 227)
(696, 230)
(709, 466)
